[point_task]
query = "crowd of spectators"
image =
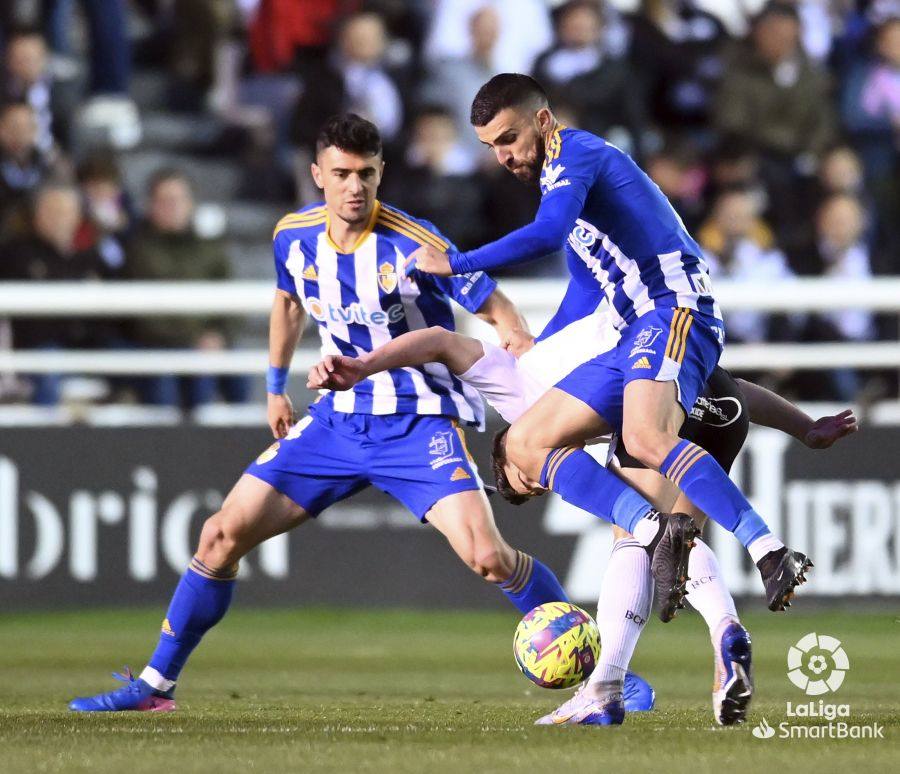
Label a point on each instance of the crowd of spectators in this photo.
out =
(773, 127)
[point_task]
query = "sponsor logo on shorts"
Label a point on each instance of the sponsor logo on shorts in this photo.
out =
(716, 412)
(269, 454)
(641, 362)
(459, 475)
(440, 447)
(644, 341)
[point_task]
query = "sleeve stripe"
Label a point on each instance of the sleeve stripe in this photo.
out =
(401, 220)
(300, 224)
(418, 238)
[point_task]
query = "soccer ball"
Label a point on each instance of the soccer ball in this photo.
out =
(557, 645)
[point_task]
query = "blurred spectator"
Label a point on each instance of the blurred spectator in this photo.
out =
(110, 109)
(109, 212)
(27, 78)
(578, 71)
(681, 178)
(353, 78)
(49, 252)
(870, 104)
(675, 51)
(436, 180)
(842, 253)
(454, 81)
(740, 246)
(166, 247)
(776, 101)
(279, 29)
(23, 167)
(524, 32)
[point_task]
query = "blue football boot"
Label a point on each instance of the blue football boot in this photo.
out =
(135, 695)
(587, 708)
(733, 686)
(638, 694)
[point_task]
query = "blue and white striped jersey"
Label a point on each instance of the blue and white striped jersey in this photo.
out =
(619, 231)
(627, 234)
(361, 300)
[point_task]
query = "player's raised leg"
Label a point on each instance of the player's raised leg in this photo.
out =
(252, 513)
(544, 445)
(652, 414)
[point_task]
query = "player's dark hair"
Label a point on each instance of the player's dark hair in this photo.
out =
(503, 91)
(350, 133)
(498, 460)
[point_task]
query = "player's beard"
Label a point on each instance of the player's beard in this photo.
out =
(529, 171)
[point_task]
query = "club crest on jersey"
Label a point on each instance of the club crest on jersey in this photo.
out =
(440, 447)
(310, 273)
(387, 277)
(644, 341)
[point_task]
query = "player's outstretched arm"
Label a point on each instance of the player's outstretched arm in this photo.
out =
(771, 410)
(430, 345)
(285, 328)
(512, 328)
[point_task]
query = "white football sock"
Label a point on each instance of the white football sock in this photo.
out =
(707, 592)
(626, 594)
(764, 545)
(647, 528)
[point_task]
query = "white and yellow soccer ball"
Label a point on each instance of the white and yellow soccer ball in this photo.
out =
(557, 645)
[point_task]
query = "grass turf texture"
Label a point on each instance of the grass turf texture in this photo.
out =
(333, 690)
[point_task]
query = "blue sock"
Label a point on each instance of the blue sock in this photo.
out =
(199, 602)
(707, 485)
(579, 479)
(532, 583)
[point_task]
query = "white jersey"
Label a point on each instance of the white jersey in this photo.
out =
(513, 385)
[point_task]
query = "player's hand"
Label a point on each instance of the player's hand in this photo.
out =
(825, 431)
(429, 260)
(336, 372)
(517, 341)
(280, 413)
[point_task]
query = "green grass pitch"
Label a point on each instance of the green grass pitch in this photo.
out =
(395, 691)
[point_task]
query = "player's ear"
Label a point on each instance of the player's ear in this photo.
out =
(544, 118)
(317, 175)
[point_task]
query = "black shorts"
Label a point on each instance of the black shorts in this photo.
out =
(718, 422)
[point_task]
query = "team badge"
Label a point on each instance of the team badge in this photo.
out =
(269, 454)
(310, 273)
(387, 277)
(440, 447)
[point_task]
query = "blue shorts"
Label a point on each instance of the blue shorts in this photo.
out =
(330, 455)
(665, 345)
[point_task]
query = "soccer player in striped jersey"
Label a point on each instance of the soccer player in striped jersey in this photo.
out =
(718, 422)
(401, 431)
(622, 235)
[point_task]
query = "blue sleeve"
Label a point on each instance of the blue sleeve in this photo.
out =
(283, 279)
(469, 290)
(583, 296)
(562, 203)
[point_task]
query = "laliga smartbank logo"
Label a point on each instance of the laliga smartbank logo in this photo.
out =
(817, 664)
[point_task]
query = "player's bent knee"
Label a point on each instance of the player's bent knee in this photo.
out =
(524, 450)
(494, 564)
(221, 543)
(648, 447)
